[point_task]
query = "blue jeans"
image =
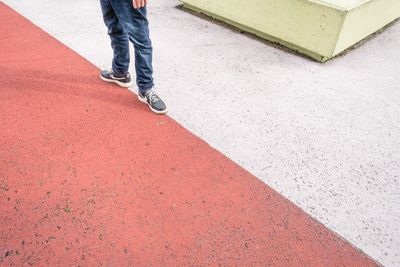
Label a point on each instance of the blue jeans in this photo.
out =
(125, 24)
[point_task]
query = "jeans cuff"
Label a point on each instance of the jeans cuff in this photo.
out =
(145, 88)
(119, 72)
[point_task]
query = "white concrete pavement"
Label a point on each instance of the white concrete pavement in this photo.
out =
(326, 136)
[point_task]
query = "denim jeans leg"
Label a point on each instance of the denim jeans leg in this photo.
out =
(143, 50)
(119, 38)
(135, 23)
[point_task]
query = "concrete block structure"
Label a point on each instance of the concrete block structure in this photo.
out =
(320, 29)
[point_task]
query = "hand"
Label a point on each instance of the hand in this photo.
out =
(139, 3)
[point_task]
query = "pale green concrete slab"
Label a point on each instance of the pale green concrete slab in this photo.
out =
(319, 29)
(365, 19)
(341, 4)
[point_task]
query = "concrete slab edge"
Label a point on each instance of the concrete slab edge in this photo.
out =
(263, 35)
(354, 31)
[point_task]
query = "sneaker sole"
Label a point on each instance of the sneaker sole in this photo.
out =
(125, 85)
(143, 100)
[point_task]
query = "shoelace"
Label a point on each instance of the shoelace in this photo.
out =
(152, 96)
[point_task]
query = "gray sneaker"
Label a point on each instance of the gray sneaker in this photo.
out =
(153, 101)
(123, 80)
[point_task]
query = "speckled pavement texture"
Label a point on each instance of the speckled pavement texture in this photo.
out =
(325, 136)
(89, 177)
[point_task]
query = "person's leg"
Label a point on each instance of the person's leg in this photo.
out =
(135, 23)
(119, 38)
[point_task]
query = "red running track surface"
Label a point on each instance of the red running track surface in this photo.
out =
(90, 177)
